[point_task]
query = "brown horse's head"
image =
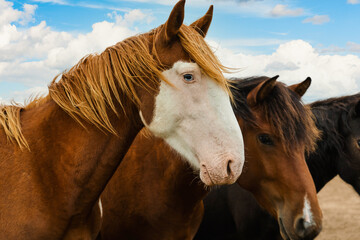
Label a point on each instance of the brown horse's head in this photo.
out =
(278, 130)
(168, 80)
(191, 108)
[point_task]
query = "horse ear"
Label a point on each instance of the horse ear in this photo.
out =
(302, 87)
(174, 22)
(202, 24)
(261, 91)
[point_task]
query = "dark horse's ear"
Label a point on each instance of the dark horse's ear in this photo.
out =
(173, 24)
(261, 91)
(302, 87)
(202, 24)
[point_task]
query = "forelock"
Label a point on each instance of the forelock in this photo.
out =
(289, 118)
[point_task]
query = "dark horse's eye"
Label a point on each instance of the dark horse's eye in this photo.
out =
(265, 139)
(188, 77)
(358, 142)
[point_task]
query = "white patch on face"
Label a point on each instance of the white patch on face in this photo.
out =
(224, 112)
(101, 208)
(196, 119)
(307, 214)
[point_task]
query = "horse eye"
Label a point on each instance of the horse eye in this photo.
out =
(358, 142)
(188, 77)
(265, 139)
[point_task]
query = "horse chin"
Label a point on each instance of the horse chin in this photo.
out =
(288, 234)
(283, 232)
(206, 178)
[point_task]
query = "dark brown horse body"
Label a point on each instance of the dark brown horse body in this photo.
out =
(72, 141)
(233, 213)
(156, 195)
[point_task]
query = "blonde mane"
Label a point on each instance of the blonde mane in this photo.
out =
(99, 82)
(200, 52)
(89, 88)
(10, 121)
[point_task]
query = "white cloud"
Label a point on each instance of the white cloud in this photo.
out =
(279, 33)
(333, 49)
(9, 15)
(31, 43)
(28, 94)
(68, 54)
(353, 1)
(29, 11)
(353, 47)
(250, 42)
(281, 66)
(332, 75)
(281, 10)
(317, 19)
(129, 18)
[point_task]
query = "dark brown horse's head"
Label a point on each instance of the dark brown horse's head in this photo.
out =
(278, 130)
(339, 120)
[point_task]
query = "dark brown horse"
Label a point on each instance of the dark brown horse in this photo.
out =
(338, 153)
(59, 151)
(155, 194)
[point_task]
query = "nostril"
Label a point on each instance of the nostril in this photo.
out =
(228, 168)
(305, 229)
(204, 169)
(300, 228)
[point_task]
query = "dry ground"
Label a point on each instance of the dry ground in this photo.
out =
(341, 210)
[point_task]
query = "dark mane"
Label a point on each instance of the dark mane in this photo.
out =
(332, 118)
(289, 118)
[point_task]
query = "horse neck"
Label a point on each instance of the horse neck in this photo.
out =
(323, 162)
(183, 187)
(78, 161)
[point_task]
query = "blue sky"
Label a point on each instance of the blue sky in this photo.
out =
(342, 27)
(262, 37)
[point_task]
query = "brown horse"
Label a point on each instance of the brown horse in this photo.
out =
(59, 151)
(155, 194)
(287, 192)
(337, 153)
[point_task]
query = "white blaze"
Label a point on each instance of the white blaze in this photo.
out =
(307, 214)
